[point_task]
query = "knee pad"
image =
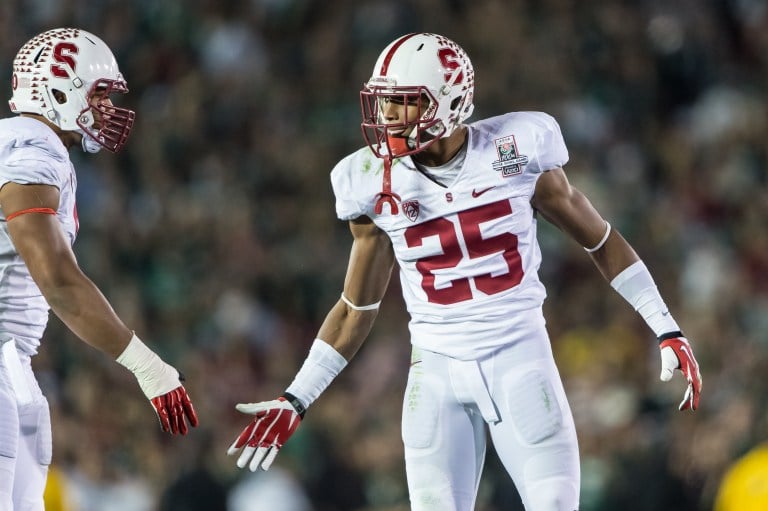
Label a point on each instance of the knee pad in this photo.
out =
(555, 494)
(430, 489)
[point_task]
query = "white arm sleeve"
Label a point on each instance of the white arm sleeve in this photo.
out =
(321, 366)
(637, 287)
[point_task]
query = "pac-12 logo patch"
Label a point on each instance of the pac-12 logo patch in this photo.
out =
(510, 162)
(411, 209)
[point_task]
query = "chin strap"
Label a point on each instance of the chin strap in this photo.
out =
(387, 195)
(89, 144)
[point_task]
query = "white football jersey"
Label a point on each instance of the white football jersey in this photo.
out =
(467, 252)
(30, 153)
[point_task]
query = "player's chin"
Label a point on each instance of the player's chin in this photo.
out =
(398, 132)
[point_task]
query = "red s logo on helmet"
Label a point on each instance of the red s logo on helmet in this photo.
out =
(62, 52)
(450, 61)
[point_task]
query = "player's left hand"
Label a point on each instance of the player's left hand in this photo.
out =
(676, 353)
(261, 440)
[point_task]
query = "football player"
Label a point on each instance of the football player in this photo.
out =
(456, 206)
(62, 83)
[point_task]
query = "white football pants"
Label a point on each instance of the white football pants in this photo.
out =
(518, 394)
(25, 434)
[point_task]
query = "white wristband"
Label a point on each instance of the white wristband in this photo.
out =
(155, 376)
(602, 241)
(321, 366)
(637, 287)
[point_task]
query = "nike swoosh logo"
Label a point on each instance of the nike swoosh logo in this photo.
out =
(478, 193)
(665, 313)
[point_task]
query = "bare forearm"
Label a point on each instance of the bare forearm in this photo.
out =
(88, 314)
(346, 329)
(615, 256)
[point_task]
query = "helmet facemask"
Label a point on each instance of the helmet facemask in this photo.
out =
(114, 123)
(397, 139)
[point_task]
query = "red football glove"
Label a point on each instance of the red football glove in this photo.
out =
(261, 440)
(676, 353)
(161, 383)
(172, 408)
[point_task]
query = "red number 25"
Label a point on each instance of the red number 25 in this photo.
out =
(477, 246)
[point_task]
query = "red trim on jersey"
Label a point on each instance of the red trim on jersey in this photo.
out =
(47, 211)
(388, 58)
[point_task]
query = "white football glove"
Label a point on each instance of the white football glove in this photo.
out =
(261, 440)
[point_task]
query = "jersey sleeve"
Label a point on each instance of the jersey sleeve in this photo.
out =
(551, 151)
(25, 161)
(350, 203)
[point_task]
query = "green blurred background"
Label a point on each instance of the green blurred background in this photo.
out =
(214, 236)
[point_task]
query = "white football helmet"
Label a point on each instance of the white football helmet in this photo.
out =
(75, 64)
(418, 68)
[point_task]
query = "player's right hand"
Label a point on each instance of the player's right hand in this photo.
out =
(161, 383)
(676, 353)
(261, 440)
(173, 408)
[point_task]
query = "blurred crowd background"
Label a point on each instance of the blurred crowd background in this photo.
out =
(214, 236)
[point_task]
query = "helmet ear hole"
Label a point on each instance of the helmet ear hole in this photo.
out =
(59, 96)
(456, 102)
